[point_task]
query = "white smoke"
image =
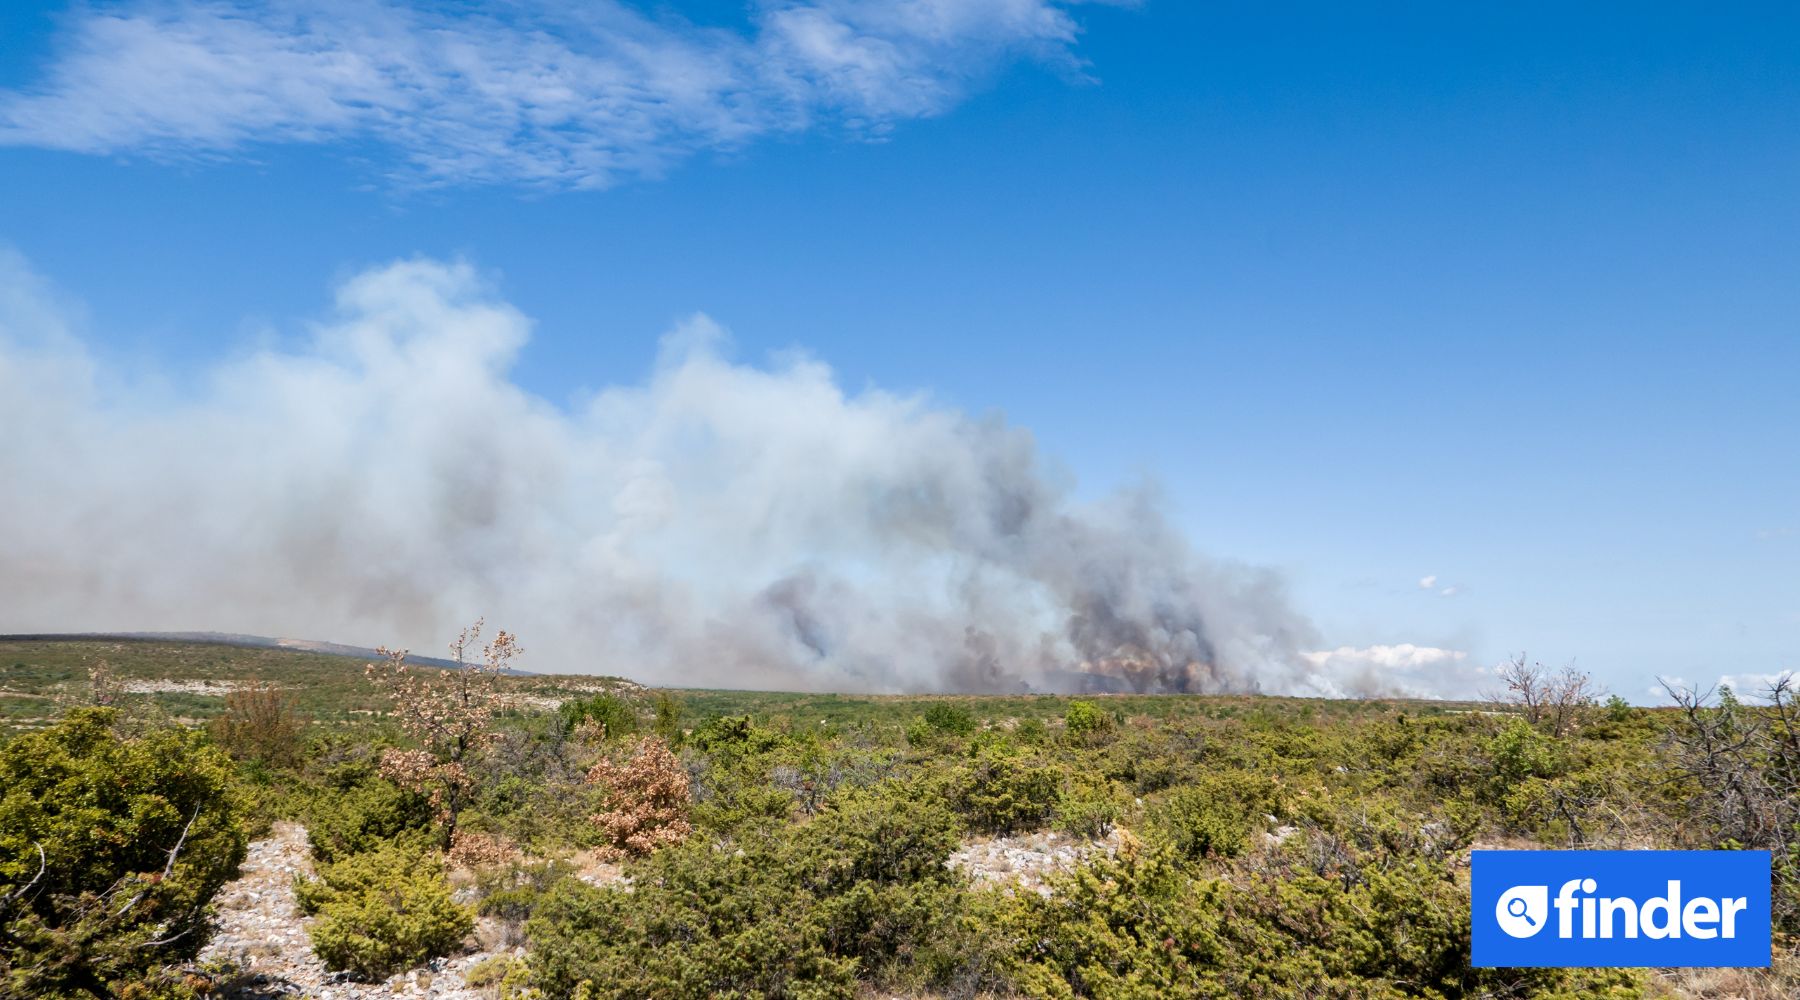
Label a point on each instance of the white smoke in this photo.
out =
(713, 524)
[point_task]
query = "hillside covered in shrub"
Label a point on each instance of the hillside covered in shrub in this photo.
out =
(606, 841)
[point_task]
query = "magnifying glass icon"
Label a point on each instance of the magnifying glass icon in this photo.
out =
(1517, 908)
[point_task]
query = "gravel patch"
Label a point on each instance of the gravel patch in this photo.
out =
(260, 929)
(1025, 861)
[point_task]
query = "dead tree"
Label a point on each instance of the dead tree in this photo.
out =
(1742, 766)
(1558, 699)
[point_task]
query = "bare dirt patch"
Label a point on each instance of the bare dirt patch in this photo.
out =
(1025, 861)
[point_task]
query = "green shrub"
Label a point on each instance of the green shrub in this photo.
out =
(945, 717)
(111, 848)
(1030, 732)
(1089, 808)
(1618, 709)
(544, 814)
(1520, 751)
(382, 911)
(698, 922)
(667, 723)
(359, 811)
(1216, 815)
(733, 799)
(734, 735)
(1084, 719)
(862, 887)
(510, 894)
(1144, 926)
(875, 863)
(1147, 761)
(500, 976)
(999, 791)
(611, 712)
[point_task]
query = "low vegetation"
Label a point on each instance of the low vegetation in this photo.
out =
(383, 910)
(112, 842)
(699, 844)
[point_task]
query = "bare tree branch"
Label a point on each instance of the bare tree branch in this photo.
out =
(20, 893)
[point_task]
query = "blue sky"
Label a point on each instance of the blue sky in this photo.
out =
(1506, 297)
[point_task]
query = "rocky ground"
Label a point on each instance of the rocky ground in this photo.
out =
(1025, 861)
(261, 931)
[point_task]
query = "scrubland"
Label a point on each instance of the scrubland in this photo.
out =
(592, 838)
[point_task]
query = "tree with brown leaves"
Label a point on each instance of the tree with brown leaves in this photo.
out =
(449, 713)
(646, 800)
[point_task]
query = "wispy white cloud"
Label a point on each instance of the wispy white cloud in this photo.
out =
(534, 93)
(1431, 582)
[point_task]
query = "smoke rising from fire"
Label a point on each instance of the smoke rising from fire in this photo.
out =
(712, 524)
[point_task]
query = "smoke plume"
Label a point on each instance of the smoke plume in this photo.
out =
(713, 523)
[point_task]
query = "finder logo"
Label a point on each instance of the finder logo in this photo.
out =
(1522, 910)
(1620, 908)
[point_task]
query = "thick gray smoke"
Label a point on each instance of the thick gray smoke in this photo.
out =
(713, 524)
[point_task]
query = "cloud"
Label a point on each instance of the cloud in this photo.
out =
(1752, 688)
(532, 93)
(712, 523)
(1400, 670)
(1431, 583)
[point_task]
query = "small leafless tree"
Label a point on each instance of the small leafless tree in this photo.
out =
(1557, 698)
(1742, 765)
(103, 687)
(449, 713)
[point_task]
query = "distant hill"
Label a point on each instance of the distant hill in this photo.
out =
(187, 675)
(236, 639)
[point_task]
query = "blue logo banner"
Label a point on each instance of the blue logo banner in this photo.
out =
(1620, 908)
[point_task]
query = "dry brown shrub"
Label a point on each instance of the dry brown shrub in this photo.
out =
(260, 723)
(646, 800)
(590, 732)
(1779, 982)
(472, 849)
